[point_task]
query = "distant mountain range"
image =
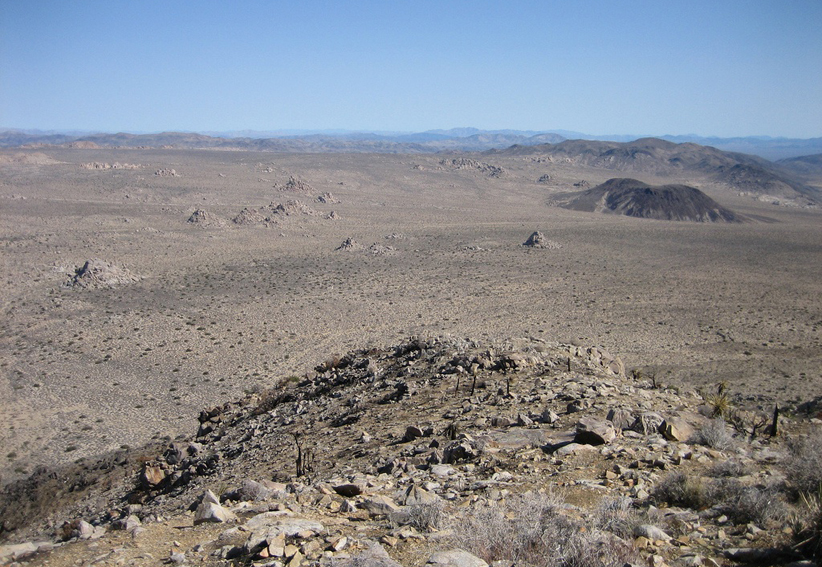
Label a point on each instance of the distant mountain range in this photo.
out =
(455, 139)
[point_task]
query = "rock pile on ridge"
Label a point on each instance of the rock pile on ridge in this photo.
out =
(378, 450)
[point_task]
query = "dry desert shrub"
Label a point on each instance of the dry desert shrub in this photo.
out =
(532, 530)
(742, 503)
(714, 434)
(803, 467)
(617, 516)
(728, 469)
(680, 489)
(424, 516)
(807, 526)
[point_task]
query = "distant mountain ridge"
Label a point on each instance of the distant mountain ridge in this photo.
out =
(745, 173)
(462, 139)
(454, 139)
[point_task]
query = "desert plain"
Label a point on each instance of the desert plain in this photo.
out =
(220, 308)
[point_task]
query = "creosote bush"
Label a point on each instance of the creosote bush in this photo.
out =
(532, 530)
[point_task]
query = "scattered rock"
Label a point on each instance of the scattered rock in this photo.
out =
(592, 431)
(653, 533)
(374, 556)
(328, 198)
(210, 510)
(647, 423)
(205, 219)
(676, 429)
(379, 505)
(348, 490)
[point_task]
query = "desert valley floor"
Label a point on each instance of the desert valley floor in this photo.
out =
(221, 308)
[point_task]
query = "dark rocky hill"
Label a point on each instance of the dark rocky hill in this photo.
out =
(665, 202)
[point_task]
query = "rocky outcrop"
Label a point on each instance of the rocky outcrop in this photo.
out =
(538, 240)
(294, 185)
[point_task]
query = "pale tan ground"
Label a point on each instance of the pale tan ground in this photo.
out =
(224, 310)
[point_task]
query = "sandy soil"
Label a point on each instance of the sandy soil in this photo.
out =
(224, 310)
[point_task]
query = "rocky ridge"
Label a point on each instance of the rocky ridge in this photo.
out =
(405, 448)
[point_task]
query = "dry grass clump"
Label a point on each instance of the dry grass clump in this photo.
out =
(714, 434)
(532, 530)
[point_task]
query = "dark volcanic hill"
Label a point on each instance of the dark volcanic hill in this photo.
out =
(741, 172)
(664, 202)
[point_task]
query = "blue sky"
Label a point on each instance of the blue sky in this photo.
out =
(719, 67)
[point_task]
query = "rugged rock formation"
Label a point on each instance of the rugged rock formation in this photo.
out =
(472, 164)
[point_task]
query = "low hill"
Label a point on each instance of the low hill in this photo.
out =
(634, 198)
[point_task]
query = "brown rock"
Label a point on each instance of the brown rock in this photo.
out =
(592, 431)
